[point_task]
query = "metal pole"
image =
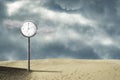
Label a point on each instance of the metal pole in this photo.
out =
(28, 54)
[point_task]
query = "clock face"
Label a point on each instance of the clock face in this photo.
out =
(29, 29)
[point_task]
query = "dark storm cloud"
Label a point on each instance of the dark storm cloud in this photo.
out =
(104, 52)
(10, 46)
(58, 50)
(103, 11)
(86, 29)
(62, 5)
(67, 49)
(3, 12)
(97, 7)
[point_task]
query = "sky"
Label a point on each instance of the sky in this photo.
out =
(77, 29)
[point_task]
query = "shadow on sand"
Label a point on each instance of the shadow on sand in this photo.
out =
(47, 71)
(11, 73)
(3, 68)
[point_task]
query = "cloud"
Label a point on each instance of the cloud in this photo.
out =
(86, 29)
(2, 11)
(14, 7)
(11, 24)
(70, 5)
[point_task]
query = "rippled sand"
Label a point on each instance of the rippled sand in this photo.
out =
(61, 69)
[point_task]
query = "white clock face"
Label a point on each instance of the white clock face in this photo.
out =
(29, 29)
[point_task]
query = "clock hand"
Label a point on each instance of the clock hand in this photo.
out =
(28, 28)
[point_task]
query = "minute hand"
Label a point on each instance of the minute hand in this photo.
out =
(28, 29)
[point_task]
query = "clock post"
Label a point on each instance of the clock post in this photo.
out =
(29, 29)
(28, 54)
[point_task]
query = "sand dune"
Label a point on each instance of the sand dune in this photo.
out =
(61, 69)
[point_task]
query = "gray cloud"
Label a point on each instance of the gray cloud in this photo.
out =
(3, 13)
(86, 29)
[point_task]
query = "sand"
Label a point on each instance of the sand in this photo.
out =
(61, 69)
